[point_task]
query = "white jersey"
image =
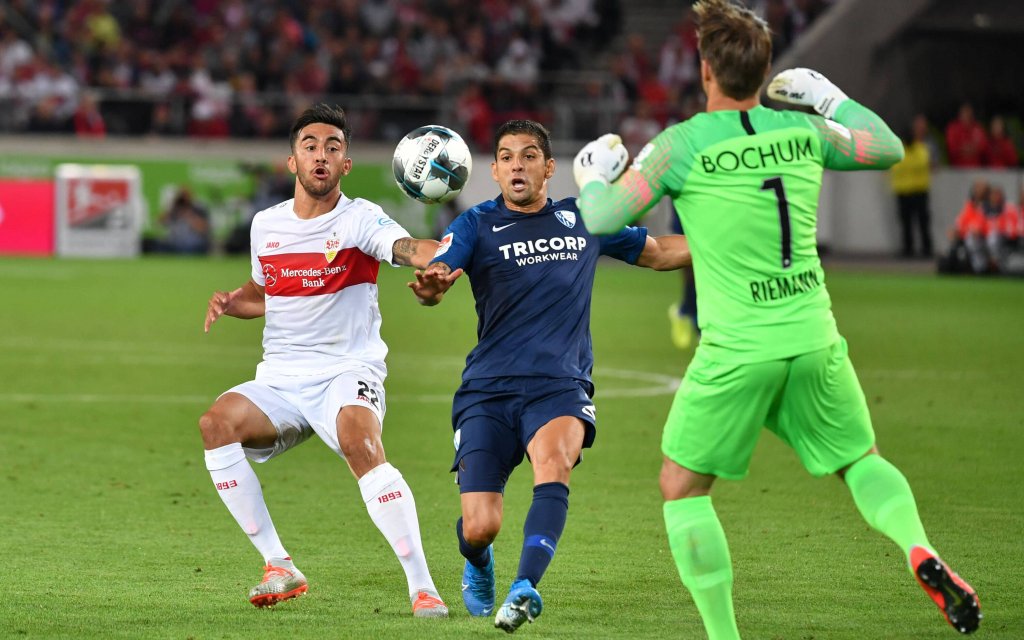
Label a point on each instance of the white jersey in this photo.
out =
(320, 278)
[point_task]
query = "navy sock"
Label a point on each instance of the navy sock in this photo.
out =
(477, 556)
(688, 307)
(542, 529)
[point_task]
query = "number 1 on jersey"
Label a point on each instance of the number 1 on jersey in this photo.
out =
(775, 184)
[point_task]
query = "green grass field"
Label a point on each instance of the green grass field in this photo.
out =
(110, 527)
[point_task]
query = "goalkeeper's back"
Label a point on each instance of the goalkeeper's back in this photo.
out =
(746, 186)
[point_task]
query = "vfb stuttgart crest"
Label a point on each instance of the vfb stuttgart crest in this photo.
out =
(269, 274)
(331, 248)
(568, 218)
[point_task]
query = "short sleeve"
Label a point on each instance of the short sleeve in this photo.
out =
(254, 259)
(626, 245)
(377, 232)
(458, 242)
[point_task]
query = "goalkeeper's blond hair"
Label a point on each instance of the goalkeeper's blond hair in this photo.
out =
(736, 44)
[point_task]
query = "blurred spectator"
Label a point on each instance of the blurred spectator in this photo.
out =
(1015, 229)
(250, 117)
(551, 27)
(435, 46)
(211, 102)
(782, 23)
(968, 250)
(678, 65)
(470, 63)
(51, 95)
(966, 140)
(88, 121)
(911, 180)
(187, 226)
(1000, 151)
(638, 128)
(272, 184)
(14, 52)
(624, 87)
(519, 67)
(312, 77)
(155, 76)
(636, 59)
(518, 70)
(1011, 230)
(475, 116)
(378, 16)
(597, 35)
(1003, 228)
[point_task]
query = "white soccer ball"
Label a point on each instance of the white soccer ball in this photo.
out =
(432, 164)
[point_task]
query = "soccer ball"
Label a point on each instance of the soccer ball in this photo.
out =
(432, 164)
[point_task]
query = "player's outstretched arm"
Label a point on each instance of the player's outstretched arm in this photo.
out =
(432, 283)
(611, 198)
(244, 302)
(665, 253)
(412, 252)
(599, 163)
(863, 141)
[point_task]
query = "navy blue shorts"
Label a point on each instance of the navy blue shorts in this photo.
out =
(495, 419)
(675, 224)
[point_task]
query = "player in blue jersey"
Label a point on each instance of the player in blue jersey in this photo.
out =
(526, 388)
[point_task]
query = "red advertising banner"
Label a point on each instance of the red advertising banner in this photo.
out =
(26, 217)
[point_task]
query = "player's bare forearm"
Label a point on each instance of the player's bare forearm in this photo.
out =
(665, 253)
(245, 302)
(432, 283)
(871, 144)
(411, 252)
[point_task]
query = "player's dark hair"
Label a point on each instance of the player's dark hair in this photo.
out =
(736, 44)
(321, 113)
(528, 127)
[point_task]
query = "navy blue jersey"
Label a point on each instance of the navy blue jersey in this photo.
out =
(532, 275)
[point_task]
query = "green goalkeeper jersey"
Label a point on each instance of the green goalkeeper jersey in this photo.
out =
(745, 185)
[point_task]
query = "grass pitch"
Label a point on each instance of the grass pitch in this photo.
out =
(110, 527)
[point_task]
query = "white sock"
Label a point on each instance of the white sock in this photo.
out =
(240, 490)
(392, 508)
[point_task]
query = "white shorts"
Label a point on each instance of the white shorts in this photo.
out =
(299, 406)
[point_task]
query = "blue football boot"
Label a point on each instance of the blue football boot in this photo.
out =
(523, 604)
(478, 587)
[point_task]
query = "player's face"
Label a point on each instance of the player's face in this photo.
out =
(522, 173)
(319, 159)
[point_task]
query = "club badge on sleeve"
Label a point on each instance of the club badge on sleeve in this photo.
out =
(445, 244)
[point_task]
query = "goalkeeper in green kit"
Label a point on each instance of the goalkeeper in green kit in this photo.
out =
(745, 181)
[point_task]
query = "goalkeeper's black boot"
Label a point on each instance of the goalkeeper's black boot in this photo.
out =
(955, 598)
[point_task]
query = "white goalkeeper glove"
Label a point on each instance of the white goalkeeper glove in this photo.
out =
(807, 88)
(601, 160)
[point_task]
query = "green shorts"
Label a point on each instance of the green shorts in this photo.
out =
(813, 402)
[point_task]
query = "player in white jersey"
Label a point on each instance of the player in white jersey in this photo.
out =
(314, 271)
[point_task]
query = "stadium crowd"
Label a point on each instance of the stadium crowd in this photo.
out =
(218, 68)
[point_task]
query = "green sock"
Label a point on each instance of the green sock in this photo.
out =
(702, 556)
(884, 498)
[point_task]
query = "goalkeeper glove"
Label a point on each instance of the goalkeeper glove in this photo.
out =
(601, 160)
(807, 88)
